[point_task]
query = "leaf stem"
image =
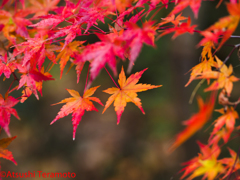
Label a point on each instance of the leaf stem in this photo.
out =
(111, 77)
(155, 13)
(99, 29)
(86, 79)
(11, 84)
(139, 16)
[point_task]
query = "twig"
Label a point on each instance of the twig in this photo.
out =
(195, 90)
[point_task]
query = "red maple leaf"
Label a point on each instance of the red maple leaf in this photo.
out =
(48, 20)
(103, 52)
(6, 111)
(7, 66)
(135, 37)
(194, 5)
(180, 29)
(33, 79)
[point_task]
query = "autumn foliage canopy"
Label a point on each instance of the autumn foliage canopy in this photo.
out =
(37, 35)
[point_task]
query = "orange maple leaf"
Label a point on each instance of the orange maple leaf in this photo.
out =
(196, 122)
(206, 64)
(121, 5)
(221, 134)
(227, 119)
(233, 8)
(224, 79)
(66, 53)
(4, 153)
(127, 92)
(77, 106)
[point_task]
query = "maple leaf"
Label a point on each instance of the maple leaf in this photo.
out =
(34, 47)
(6, 1)
(207, 50)
(232, 164)
(127, 92)
(70, 8)
(224, 28)
(196, 122)
(68, 51)
(180, 29)
(227, 119)
(42, 7)
(224, 78)
(14, 24)
(206, 64)
(49, 20)
(102, 52)
(71, 32)
(221, 134)
(171, 19)
(205, 164)
(4, 153)
(121, 5)
(194, 5)
(3, 3)
(6, 111)
(209, 36)
(135, 37)
(90, 16)
(7, 66)
(33, 80)
(77, 105)
(233, 8)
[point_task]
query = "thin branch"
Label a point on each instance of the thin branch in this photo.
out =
(226, 59)
(234, 36)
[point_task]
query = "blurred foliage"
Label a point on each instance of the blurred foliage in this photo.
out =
(138, 147)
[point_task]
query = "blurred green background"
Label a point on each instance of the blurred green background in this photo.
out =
(137, 148)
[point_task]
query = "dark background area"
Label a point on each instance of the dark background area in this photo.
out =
(137, 148)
